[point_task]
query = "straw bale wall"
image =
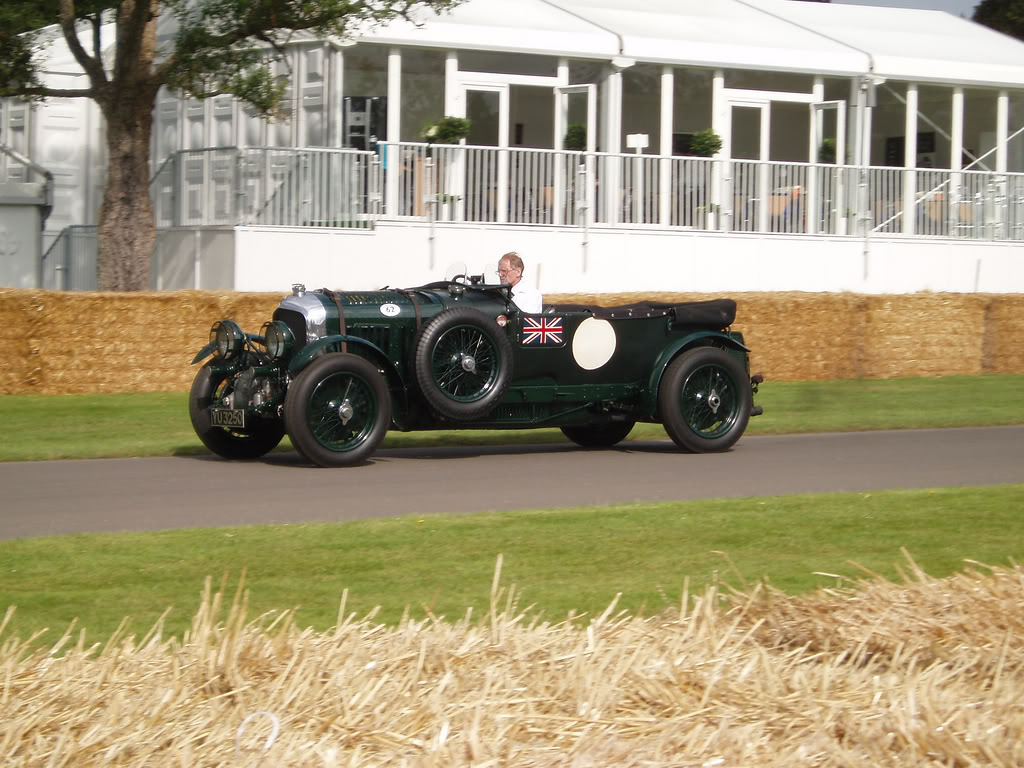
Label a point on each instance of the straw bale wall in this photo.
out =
(60, 343)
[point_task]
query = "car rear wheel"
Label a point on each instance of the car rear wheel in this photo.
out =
(463, 363)
(338, 410)
(259, 437)
(599, 435)
(705, 400)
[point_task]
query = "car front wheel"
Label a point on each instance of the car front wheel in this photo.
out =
(338, 410)
(259, 437)
(705, 400)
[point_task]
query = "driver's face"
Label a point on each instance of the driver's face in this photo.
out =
(507, 274)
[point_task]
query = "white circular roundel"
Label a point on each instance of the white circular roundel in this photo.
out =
(593, 344)
(390, 310)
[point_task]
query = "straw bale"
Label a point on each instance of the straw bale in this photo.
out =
(19, 321)
(924, 335)
(144, 342)
(792, 335)
(923, 672)
(1004, 335)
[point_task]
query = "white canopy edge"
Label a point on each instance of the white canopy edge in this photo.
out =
(777, 35)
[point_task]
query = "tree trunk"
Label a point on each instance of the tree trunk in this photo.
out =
(127, 230)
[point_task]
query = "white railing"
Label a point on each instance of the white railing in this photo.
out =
(268, 186)
(454, 183)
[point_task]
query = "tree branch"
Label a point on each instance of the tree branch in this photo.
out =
(131, 31)
(56, 93)
(93, 67)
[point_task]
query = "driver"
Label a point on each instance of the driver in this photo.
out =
(510, 271)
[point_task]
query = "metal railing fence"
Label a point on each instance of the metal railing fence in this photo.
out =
(268, 186)
(69, 264)
(348, 188)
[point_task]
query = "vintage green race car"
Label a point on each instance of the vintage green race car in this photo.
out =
(337, 370)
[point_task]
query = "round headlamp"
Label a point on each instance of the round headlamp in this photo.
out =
(227, 339)
(278, 338)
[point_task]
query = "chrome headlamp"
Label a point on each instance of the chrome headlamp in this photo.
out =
(278, 338)
(227, 339)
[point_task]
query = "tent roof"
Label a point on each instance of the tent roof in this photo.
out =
(779, 35)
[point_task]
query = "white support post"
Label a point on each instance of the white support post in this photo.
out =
(1002, 130)
(336, 104)
(956, 148)
(561, 125)
(910, 161)
(612, 176)
(390, 156)
(452, 92)
(665, 150)
(720, 124)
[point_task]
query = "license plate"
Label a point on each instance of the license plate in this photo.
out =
(228, 417)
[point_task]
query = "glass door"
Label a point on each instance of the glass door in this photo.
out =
(827, 185)
(484, 161)
(747, 149)
(575, 131)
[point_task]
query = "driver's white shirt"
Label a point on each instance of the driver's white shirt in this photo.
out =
(527, 299)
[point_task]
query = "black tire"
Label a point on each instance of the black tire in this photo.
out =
(257, 439)
(599, 435)
(463, 363)
(319, 428)
(705, 400)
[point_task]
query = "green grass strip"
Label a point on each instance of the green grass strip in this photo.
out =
(99, 426)
(560, 560)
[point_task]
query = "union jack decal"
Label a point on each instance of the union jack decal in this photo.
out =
(543, 330)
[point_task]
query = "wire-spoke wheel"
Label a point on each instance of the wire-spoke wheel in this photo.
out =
(338, 410)
(463, 363)
(705, 400)
(260, 436)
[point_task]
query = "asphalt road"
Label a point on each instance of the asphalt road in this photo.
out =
(61, 497)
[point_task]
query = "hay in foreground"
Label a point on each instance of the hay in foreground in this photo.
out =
(926, 672)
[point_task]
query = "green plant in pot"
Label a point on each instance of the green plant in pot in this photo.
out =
(447, 130)
(575, 138)
(827, 151)
(706, 143)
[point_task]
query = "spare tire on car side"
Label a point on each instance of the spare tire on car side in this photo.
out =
(463, 363)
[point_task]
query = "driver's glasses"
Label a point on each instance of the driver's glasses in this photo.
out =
(503, 272)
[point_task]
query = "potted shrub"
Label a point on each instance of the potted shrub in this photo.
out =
(706, 143)
(827, 151)
(575, 138)
(447, 130)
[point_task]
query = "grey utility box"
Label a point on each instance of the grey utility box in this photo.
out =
(23, 209)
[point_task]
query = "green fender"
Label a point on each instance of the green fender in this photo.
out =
(209, 347)
(669, 353)
(305, 357)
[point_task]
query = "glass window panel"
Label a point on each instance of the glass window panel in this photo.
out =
(532, 116)
(641, 104)
(888, 124)
(1015, 145)
(691, 106)
(365, 90)
(482, 110)
(422, 90)
(756, 80)
(746, 133)
(789, 132)
(507, 63)
(934, 125)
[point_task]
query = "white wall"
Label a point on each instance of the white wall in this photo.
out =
(619, 260)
